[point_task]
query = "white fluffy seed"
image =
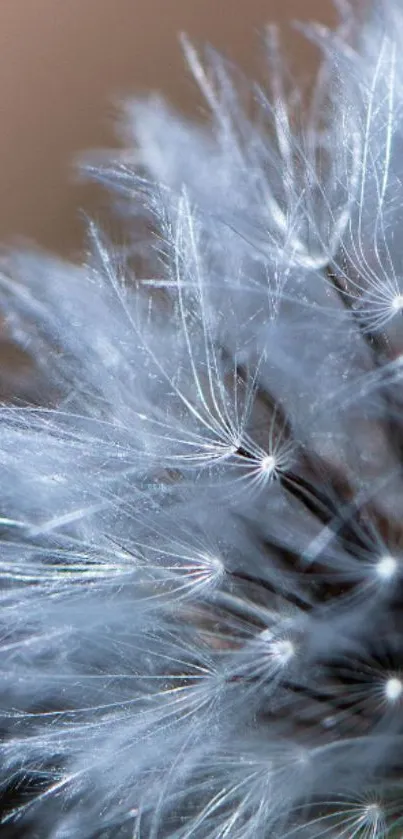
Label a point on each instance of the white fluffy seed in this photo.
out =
(393, 689)
(386, 567)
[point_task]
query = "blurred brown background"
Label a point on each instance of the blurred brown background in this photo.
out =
(64, 64)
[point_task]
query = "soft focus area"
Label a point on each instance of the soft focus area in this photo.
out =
(66, 64)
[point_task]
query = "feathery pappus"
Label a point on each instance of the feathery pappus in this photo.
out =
(201, 558)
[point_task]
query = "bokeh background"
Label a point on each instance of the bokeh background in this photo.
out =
(66, 64)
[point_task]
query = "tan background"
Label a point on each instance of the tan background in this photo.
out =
(65, 63)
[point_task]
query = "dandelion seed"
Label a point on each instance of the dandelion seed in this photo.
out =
(386, 568)
(373, 818)
(393, 689)
(268, 465)
(397, 303)
(282, 651)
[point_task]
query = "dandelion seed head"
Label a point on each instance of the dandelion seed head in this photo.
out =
(213, 566)
(281, 651)
(386, 568)
(268, 465)
(397, 303)
(393, 689)
(201, 526)
(372, 816)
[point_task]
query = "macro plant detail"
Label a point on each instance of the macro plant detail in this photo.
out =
(201, 525)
